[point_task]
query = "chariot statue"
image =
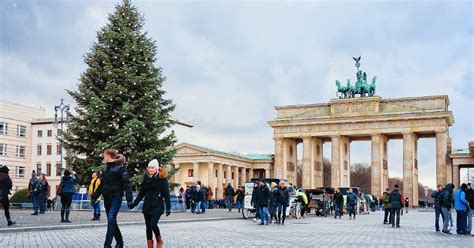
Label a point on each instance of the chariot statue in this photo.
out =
(360, 88)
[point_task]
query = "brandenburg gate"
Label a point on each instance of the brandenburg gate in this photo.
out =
(343, 120)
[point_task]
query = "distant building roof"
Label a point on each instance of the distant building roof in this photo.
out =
(460, 151)
(246, 156)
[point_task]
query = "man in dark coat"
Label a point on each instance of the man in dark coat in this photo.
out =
(396, 203)
(229, 195)
(263, 198)
(5, 190)
(351, 203)
(338, 200)
(446, 202)
(254, 202)
(436, 195)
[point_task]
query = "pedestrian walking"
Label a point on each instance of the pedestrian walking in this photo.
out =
(338, 201)
(263, 198)
(470, 200)
(155, 190)
(33, 191)
(254, 201)
(396, 204)
(407, 204)
(351, 203)
(461, 206)
(283, 201)
(204, 201)
(436, 195)
(68, 183)
(43, 193)
(273, 204)
(387, 206)
(115, 182)
(240, 199)
(93, 186)
(198, 198)
(229, 196)
(6, 186)
(446, 202)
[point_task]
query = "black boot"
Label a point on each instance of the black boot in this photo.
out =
(95, 217)
(67, 216)
(98, 217)
(62, 215)
(10, 223)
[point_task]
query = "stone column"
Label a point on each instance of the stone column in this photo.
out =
(196, 171)
(236, 177)
(376, 166)
(243, 178)
(250, 173)
(335, 162)
(441, 156)
(220, 182)
(267, 173)
(409, 170)
(307, 168)
(210, 176)
(317, 169)
(278, 165)
(228, 176)
(345, 161)
(456, 177)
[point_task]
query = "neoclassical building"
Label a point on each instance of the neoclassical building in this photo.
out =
(217, 168)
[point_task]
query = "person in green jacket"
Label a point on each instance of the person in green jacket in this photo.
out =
(386, 206)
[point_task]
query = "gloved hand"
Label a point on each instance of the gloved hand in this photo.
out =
(130, 205)
(168, 212)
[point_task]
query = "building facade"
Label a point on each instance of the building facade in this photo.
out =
(16, 137)
(217, 168)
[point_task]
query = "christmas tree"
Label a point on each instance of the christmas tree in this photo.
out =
(120, 100)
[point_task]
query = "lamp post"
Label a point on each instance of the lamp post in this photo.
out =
(63, 109)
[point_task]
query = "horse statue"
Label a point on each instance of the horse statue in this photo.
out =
(372, 87)
(350, 89)
(341, 90)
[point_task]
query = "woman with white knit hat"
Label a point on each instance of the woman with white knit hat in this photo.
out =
(155, 189)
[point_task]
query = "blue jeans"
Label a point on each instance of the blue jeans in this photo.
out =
(264, 214)
(281, 212)
(447, 217)
(112, 205)
(238, 204)
(42, 203)
(461, 221)
(96, 207)
(337, 210)
(438, 212)
(229, 202)
(351, 209)
(198, 209)
(34, 200)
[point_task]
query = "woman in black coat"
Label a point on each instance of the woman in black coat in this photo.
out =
(156, 191)
(283, 201)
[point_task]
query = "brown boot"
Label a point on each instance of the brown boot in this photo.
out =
(159, 242)
(150, 243)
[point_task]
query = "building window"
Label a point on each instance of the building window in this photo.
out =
(58, 149)
(38, 150)
(59, 169)
(3, 128)
(21, 131)
(48, 169)
(50, 133)
(40, 133)
(3, 149)
(58, 132)
(38, 168)
(190, 172)
(48, 149)
(20, 171)
(20, 151)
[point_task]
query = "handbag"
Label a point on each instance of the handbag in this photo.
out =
(59, 191)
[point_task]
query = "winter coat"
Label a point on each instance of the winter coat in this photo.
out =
(253, 201)
(93, 186)
(204, 193)
(386, 200)
(396, 199)
(114, 181)
(283, 196)
(273, 198)
(446, 199)
(436, 195)
(263, 196)
(33, 185)
(157, 194)
(68, 184)
(470, 198)
(351, 198)
(240, 195)
(460, 202)
(5, 185)
(338, 198)
(198, 195)
(229, 191)
(44, 189)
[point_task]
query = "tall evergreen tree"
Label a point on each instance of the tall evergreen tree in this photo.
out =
(120, 100)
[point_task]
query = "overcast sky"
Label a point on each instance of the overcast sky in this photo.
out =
(228, 63)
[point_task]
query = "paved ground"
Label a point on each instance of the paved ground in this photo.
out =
(365, 231)
(24, 219)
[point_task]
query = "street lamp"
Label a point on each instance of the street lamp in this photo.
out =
(64, 109)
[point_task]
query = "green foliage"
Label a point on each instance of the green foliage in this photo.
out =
(20, 196)
(120, 100)
(171, 173)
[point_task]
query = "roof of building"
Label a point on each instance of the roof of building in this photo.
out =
(246, 156)
(460, 151)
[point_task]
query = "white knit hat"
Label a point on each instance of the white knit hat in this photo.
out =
(154, 163)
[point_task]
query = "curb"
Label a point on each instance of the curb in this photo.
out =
(78, 226)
